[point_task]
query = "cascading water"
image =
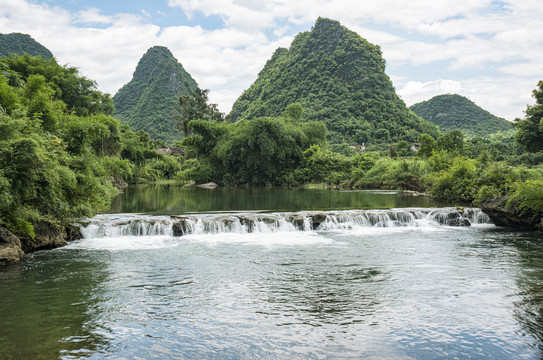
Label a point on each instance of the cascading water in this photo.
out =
(144, 225)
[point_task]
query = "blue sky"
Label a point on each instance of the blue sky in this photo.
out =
(489, 51)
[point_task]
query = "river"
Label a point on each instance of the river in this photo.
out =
(268, 274)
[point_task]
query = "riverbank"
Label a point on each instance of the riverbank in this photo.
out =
(46, 236)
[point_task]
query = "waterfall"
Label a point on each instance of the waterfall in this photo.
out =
(242, 223)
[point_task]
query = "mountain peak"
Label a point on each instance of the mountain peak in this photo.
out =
(148, 101)
(339, 78)
(17, 43)
(456, 112)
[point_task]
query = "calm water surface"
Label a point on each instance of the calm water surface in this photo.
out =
(174, 199)
(422, 291)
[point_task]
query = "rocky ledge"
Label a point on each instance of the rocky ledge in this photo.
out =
(503, 215)
(47, 236)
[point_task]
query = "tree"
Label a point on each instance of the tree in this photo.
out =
(427, 146)
(262, 150)
(77, 92)
(530, 129)
(452, 141)
(293, 112)
(194, 106)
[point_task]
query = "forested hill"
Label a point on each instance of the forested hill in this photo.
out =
(455, 112)
(148, 101)
(16, 43)
(339, 78)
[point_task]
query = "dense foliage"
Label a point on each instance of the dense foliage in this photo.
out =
(194, 106)
(339, 79)
(262, 151)
(530, 129)
(60, 153)
(77, 93)
(19, 44)
(454, 112)
(148, 101)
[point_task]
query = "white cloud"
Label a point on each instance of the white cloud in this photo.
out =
(507, 100)
(415, 91)
(93, 16)
(466, 38)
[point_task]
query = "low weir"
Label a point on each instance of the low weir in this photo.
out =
(114, 225)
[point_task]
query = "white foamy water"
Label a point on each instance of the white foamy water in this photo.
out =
(136, 231)
(121, 243)
(108, 226)
(275, 239)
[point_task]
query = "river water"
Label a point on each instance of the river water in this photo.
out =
(256, 274)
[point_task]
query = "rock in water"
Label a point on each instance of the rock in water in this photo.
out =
(10, 247)
(47, 236)
(502, 215)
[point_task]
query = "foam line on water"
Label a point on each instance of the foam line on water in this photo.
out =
(122, 243)
(277, 239)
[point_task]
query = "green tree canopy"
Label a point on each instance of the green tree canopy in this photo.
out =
(258, 151)
(530, 129)
(194, 106)
(78, 93)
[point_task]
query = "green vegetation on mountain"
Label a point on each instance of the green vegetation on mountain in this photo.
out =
(19, 44)
(148, 101)
(339, 79)
(60, 153)
(454, 112)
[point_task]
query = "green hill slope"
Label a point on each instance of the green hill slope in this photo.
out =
(16, 43)
(148, 101)
(339, 78)
(455, 112)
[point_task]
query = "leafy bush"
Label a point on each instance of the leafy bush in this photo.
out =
(528, 197)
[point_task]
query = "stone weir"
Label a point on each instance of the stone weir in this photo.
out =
(174, 225)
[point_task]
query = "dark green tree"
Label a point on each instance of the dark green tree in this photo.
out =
(530, 129)
(452, 141)
(293, 113)
(427, 146)
(262, 150)
(194, 106)
(78, 93)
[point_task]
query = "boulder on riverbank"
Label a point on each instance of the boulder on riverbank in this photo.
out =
(503, 215)
(10, 247)
(47, 236)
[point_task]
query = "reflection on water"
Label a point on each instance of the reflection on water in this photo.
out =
(46, 304)
(176, 199)
(529, 307)
(383, 293)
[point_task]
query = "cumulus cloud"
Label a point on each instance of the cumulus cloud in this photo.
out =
(509, 95)
(502, 40)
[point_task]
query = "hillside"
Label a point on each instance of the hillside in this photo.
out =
(455, 112)
(339, 78)
(19, 44)
(148, 101)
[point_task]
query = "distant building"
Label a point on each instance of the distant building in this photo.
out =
(415, 147)
(358, 148)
